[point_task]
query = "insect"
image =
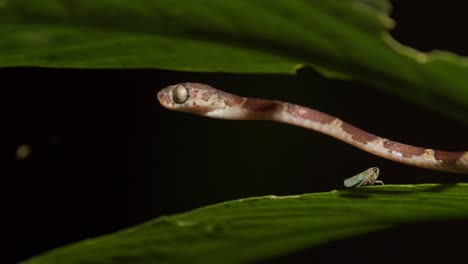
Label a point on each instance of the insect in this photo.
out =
(367, 177)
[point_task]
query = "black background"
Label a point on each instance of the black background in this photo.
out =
(106, 156)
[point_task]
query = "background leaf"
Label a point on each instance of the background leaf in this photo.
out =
(342, 39)
(263, 227)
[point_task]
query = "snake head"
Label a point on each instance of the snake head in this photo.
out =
(196, 98)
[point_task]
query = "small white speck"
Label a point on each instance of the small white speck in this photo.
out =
(397, 154)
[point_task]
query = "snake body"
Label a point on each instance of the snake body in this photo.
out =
(207, 101)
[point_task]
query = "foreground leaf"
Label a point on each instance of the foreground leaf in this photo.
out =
(264, 227)
(339, 38)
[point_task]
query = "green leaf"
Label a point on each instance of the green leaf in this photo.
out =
(263, 227)
(342, 39)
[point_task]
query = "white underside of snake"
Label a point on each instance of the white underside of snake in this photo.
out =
(205, 100)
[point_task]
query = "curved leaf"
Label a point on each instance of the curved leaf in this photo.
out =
(263, 227)
(339, 38)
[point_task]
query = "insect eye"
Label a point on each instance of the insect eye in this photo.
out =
(180, 94)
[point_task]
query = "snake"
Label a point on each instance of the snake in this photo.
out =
(205, 100)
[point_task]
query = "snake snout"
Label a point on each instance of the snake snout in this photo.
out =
(162, 97)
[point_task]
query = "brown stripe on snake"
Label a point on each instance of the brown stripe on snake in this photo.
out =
(260, 105)
(449, 158)
(207, 101)
(358, 134)
(310, 114)
(406, 151)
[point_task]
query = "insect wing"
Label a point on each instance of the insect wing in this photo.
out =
(356, 180)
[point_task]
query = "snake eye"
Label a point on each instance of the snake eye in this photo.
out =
(180, 94)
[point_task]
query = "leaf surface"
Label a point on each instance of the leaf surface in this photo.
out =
(260, 228)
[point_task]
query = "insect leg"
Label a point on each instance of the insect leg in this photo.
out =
(379, 182)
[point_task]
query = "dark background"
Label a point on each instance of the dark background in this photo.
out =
(106, 156)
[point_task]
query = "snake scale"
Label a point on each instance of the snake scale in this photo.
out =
(207, 101)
